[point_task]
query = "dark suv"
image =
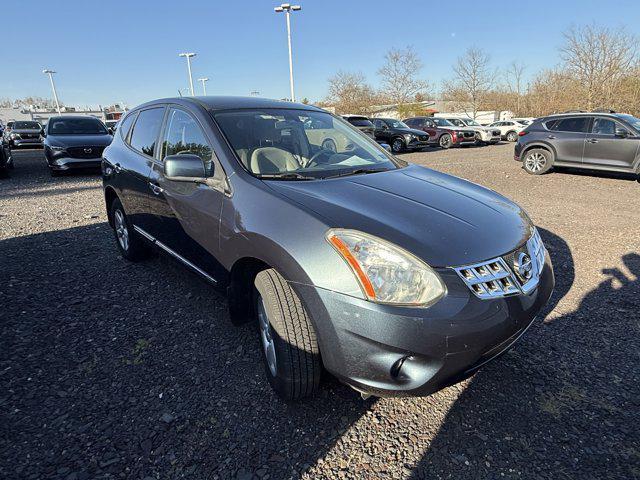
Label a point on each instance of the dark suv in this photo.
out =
(397, 279)
(23, 133)
(598, 141)
(399, 135)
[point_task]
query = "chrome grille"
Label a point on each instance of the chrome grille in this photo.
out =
(500, 276)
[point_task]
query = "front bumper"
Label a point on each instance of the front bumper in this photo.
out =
(417, 144)
(26, 142)
(399, 351)
(66, 163)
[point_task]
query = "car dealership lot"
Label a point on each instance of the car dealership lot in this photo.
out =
(114, 370)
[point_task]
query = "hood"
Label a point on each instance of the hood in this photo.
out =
(442, 219)
(79, 140)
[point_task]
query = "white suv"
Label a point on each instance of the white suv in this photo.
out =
(509, 129)
(484, 135)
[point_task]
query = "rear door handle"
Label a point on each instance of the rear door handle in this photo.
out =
(551, 137)
(157, 189)
(593, 140)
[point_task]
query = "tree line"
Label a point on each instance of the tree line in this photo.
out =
(599, 68)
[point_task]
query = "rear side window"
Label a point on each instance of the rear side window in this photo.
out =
(125, 125)
(146, 130)
(360, 122)
(575, 124)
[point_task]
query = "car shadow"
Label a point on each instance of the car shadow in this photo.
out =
(546, 410)
(134, 369)
(597, 173)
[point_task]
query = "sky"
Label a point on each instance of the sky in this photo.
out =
(127, 51)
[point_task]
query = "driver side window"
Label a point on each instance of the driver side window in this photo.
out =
(184, 135)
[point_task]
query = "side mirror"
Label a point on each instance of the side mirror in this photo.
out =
(621, 133)
(43, 132)
(110, 130)
(386, 146)
(184, 168)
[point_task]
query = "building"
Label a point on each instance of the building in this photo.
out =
(42, 115)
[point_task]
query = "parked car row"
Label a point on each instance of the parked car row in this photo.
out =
(70, 141)
(416, 133)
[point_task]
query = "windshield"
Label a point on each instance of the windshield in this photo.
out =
(441, 122)
(26, 126)
(635, 122)
(396, 124)
(300, 144)
(472, 123)
(76, 126)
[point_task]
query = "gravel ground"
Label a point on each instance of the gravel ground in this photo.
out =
(114, 370)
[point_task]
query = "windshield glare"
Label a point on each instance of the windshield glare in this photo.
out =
(76, 126)
(635, 122)
(441, 122)
(276, 142)
(397, 124)
(26, 126)
(473, 123)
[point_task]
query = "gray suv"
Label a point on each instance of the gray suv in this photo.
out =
(397, 279)
(598, 141)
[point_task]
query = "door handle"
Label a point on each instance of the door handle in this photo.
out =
(117, 168)
(551, 137)
(593, 140)
(157, 189)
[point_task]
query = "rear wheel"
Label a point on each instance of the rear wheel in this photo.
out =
(537, 161)
(130, 244)
(445, 141)
(512, 136)
(290, 348)
(397, 145)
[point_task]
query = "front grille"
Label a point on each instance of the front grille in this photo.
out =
(85, 152)
(468, 134)
(423, 138)
(496, 133)
(516, 272)
(29, 135)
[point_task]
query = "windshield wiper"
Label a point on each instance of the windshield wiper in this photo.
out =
(286, 176)
(358, 171)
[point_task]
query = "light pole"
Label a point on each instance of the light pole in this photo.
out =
(287, 8)
(204, 87)
(188, 57)
(46, 71)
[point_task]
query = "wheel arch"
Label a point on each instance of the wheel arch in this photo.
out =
(110, 196)
(543, 146)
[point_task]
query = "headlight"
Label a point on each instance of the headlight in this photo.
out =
(14, 136)
(386, 272)
(408, 137)
(57, 149)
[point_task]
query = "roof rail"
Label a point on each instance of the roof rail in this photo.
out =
(575, 111)
(603, 110)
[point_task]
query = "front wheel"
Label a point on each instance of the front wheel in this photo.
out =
(397, 145)
(537, 161)
(512, 136)
(446, 141)
(289, 344)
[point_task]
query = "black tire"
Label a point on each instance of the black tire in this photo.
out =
(397, 145)
(445, 141)
(512, 136)
(297, 356)
(55, 173)
(537, 161)
(329, 144)
(135, 248)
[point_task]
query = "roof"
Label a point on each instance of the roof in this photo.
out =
(216, 103)
(66, 117)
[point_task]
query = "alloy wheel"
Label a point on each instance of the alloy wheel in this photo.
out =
(397, 145)
(122, 232)
(535, 162)
(268, 344)
(445, 141)
(512, 137)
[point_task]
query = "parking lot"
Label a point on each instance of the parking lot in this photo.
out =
(114, 370)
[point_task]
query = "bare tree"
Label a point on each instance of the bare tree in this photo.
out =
(599, 58)
(473, 78)
(401, 81)
(350, 93)
(515, 79)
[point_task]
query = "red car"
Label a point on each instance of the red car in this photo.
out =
(442, 132)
